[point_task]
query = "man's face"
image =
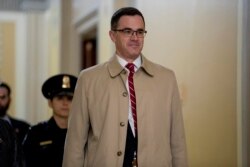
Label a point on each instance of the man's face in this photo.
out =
(60, 106)
(4, 101)
(128, 47)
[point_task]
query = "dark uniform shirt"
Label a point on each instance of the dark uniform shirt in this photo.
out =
(44, 145)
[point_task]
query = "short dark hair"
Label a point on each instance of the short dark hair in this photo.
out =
(5, 85)
(126, 11)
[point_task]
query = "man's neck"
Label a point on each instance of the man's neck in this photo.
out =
(61, 122)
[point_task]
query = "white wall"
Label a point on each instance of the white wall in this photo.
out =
(36, 57)
(244, 83)
(82, 8)
(19, 47)
(198, 40)
(44, 59)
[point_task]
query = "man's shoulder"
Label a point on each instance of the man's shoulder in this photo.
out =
(94, 72)
(4, 125)
(156, 68)
(95, 69)
(40, 126)
(38, 130)
(18, 122)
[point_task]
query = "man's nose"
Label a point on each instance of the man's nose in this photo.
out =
(134, 35)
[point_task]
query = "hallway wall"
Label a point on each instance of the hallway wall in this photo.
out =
(33, 56)
(7, 58)
(13, 56)
(244, 86)
(198, 40)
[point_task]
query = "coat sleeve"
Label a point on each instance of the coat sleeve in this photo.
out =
(78, 126)
(178, 142)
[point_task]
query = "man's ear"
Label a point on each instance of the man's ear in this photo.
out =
(50, 103)
(112, 35)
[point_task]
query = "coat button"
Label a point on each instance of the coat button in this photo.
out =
(122, 124)
(125, 94)
(119, 153)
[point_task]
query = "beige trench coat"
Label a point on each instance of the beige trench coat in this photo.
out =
(99, 118)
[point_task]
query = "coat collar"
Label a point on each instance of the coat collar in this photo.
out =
(115, 68)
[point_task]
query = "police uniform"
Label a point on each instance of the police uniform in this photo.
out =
(7, 144)
(44, 143)
(20, 128)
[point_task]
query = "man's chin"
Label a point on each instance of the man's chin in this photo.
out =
(64, 116)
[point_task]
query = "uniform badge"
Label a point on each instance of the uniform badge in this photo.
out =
(66, 82)
(43, 143)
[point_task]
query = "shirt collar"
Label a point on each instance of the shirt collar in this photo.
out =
(137, 62)
(6, 118)
(115, 67)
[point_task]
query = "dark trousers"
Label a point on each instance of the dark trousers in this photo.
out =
(130, 148)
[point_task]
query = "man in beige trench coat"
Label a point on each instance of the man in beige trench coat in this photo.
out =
(102, 128)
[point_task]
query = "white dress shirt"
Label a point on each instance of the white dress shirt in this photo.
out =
(137, 64)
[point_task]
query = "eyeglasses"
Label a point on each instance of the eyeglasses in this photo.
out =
(129, 32)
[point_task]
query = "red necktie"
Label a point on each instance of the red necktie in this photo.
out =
(130, 67)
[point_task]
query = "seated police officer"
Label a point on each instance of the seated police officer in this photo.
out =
(44, 143)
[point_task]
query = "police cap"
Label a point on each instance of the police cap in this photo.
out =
(61, 84)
